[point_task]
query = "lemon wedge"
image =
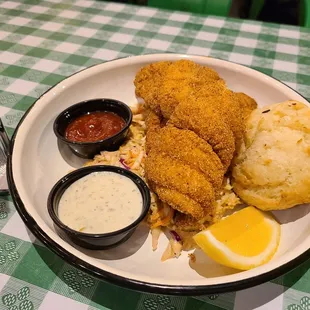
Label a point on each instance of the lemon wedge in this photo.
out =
(244, 240)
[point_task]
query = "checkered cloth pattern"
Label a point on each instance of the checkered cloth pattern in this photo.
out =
(41, 43)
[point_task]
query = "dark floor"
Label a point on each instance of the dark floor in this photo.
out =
(276, 11)
(281, 11)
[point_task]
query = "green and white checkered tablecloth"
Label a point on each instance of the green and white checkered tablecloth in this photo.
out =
(42, 42)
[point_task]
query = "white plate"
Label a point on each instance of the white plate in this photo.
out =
(37, 161)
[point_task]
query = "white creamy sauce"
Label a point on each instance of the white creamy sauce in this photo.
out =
(100, 202)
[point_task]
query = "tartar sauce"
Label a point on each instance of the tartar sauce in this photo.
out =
(100, 202)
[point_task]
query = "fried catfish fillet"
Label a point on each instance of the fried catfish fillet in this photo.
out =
(164, 84)
(194, 126)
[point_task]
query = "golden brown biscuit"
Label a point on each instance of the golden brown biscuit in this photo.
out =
(272, 169)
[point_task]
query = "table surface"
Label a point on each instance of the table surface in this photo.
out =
(41, 43)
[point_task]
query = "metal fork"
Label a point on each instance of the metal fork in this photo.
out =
(4, 152)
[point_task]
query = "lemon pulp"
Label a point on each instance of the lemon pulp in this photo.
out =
(246, 239)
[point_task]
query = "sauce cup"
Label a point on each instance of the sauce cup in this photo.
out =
(95, 241)
(90, 149)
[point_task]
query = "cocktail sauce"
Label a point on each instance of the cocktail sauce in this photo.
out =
(94, 127)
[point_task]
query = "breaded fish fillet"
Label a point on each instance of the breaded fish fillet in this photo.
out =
(185, 222)
(153, 124)
(147, 82)
(172, 179)
(163, 85)
(208, 124)
(186, 147)
(228, 108)
(246, 103)
(194, 125)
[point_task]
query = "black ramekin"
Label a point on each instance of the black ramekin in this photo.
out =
(90, 149)
(88, 240)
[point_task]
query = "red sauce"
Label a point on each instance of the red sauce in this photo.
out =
(94, 126)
